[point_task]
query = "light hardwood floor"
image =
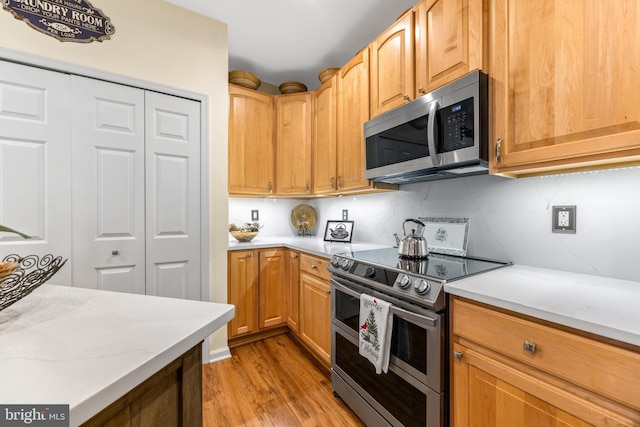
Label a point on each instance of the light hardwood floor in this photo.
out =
(273, 382)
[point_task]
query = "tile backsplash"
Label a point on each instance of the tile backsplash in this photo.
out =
(509, 218)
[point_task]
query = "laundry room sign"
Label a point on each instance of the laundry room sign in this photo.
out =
(66, 20)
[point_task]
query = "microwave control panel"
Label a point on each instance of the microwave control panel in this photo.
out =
(456, 121)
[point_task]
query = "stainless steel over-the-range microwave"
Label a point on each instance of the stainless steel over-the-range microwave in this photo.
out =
(442, 134)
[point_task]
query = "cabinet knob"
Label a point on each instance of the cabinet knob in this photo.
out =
(407, 97)
(530, 347)
(421, 90)
(329, 292)
(315, 267)
(115, 252)
(457, 355)
(249, 255)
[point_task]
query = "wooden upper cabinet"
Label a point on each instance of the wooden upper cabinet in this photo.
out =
(294, 129)
(353, 108)
(450, 41)
(251, 142)
(392, 66)
(324, 143)
(565, 79)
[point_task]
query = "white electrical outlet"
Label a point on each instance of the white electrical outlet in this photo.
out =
(564, 219)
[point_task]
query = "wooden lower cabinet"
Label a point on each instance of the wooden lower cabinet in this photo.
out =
(171, 397)
(315, 306)
(272, 289)
(553, 378)
(293, 290)
(280, 290)
(315, 327)
(257, 288)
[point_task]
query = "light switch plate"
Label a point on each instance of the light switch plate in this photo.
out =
(345, 214)
(255, 215)
(564, 219)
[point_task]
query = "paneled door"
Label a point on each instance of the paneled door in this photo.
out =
(172, 146)
(35, 159)
(108, 186)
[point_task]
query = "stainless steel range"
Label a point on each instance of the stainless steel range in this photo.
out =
(413, 392)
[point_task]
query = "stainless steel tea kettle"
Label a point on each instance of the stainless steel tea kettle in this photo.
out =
(412, 245)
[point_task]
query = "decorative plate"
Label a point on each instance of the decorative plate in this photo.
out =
(303, 218)
(446, 235)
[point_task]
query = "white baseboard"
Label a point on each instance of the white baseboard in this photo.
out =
(219, 354)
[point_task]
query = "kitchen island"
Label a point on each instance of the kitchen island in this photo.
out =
(89, 349)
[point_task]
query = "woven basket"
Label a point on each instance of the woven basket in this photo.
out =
(327, 73)
(292, 87)
(244, 79)
(31, 272)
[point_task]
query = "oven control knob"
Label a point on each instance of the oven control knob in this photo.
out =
(422, 287)
(346, 264)
(404, 281)
(370, 271)
(335, 261)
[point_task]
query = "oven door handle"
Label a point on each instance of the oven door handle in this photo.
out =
(421, 318)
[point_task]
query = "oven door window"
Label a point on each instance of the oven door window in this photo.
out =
(399, 397)
(408, 340)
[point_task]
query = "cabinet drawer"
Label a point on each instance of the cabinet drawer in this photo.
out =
(603, 368)
(315, 266)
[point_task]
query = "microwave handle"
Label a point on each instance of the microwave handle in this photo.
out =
(431, 133)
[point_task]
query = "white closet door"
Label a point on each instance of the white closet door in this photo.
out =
(173, 196)
(108, 186)
(35, 158)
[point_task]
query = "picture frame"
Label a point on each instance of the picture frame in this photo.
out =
(338, 231)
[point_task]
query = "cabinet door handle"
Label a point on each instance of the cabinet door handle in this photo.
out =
(270, 187)
(331, 184)
(339, 182)
(499, 150)
(307, 186)
(530, 347)
(457, 355)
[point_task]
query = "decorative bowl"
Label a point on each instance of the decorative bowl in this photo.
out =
(244, 236)
(244, 78)
(292, 87)
(327, 73)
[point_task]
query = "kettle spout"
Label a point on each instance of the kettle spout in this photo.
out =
(397, 238)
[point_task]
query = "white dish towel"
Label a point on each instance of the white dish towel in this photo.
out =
(376, 325)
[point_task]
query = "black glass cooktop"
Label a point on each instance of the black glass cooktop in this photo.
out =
(440, 266)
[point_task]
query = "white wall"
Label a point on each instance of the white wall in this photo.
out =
(509, 219)
(158, 42)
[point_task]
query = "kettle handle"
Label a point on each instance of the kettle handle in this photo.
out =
(411, 220)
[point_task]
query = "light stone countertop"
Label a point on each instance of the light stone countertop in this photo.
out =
(599, 305)
(310, 244)
(86, 348)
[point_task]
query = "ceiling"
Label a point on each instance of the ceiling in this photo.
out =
(283, 40)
